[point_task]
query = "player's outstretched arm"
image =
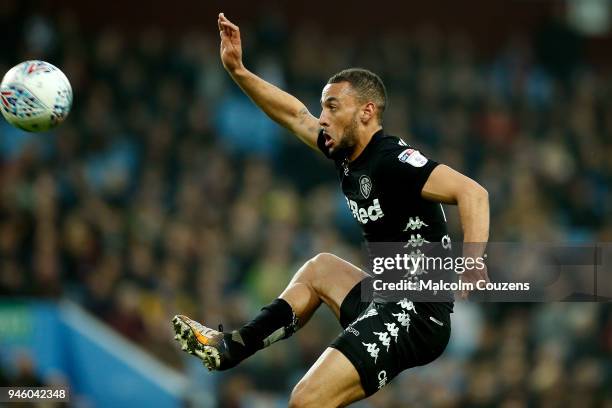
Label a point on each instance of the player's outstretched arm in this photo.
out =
(448, 186)
(279, 105)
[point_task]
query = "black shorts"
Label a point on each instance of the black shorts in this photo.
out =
(383, 339)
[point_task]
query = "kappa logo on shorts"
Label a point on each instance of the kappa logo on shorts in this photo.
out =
(369, 313)
(373, 350)
(393, 330)
(407, 304)
(384, 338)
(382, 379)
(351, 329)
(403, 318)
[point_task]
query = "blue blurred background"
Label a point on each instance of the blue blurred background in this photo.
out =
(167, 191)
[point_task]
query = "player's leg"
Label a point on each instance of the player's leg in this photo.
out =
(323, 279)
(332, 381)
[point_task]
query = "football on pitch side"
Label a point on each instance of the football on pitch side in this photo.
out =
(35, 96)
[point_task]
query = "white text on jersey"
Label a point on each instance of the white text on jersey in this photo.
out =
(363, 215)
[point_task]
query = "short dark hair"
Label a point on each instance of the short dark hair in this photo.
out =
(367, 85)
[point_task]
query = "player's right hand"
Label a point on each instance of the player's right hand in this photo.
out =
(473, 275)
(231, 46)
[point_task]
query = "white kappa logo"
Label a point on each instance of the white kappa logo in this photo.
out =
(373, 350)
(407, 304)
(403, 318)
(369, 313)
(365, 185)
(393, 330)
(414, 224)
(416, 241)
(417, 258)
(384, 338)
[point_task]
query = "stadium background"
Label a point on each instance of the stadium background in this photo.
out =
(166, 191)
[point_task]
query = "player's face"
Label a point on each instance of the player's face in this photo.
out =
(339, 117)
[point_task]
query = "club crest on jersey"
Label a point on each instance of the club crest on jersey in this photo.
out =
(365, 185)
(412, 157)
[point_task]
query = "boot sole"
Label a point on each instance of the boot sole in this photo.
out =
(186, 337)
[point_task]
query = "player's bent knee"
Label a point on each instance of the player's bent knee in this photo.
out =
(315, 266)
(322, 260)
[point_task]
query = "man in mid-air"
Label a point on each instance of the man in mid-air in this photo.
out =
(394, 192)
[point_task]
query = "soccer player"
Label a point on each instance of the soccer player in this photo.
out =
(394, 192)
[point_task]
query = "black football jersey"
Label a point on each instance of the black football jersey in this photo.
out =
(383, 187)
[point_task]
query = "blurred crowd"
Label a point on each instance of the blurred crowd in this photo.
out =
(167, 191)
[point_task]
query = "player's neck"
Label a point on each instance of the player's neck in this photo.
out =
(363, 140)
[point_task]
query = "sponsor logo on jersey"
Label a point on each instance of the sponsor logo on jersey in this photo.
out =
(365, 185)
(403, 156)
(363, 215)
(412, 157)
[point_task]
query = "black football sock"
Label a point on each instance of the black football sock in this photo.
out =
(276, 321)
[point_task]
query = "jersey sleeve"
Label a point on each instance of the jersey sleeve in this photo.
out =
(405, 170)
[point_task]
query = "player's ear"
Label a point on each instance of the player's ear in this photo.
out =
(368, 112)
